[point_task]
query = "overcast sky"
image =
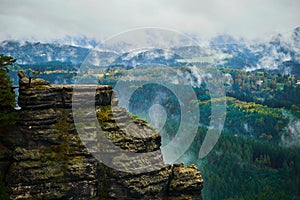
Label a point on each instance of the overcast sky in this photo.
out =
(51, 19)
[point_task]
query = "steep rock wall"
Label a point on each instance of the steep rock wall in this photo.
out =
(49, 161)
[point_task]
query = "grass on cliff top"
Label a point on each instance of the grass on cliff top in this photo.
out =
(137, 118)
(104, 114)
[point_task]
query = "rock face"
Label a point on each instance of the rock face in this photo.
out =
(48, 159)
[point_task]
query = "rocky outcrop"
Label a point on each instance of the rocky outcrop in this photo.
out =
(50, 161)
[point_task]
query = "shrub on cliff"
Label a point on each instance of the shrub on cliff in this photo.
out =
(7, 96)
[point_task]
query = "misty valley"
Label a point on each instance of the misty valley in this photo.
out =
(257, 155)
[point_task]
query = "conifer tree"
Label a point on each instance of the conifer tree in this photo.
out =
(7, 96)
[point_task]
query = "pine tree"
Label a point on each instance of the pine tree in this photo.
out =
(7, 96)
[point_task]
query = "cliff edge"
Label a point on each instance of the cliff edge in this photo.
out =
(48, 160)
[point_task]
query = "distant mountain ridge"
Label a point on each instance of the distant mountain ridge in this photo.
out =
(36, 52)
(279, 54)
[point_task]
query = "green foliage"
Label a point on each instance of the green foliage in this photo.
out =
(6, 61)
(7, 104)
(249, 119)
(280, 91)
(104, 114)
(247, 162)
(137, 118)
(7, 96)
(243, 168)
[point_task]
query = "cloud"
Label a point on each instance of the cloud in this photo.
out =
(100, 18)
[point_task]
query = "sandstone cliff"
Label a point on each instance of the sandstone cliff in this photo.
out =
(44, 158)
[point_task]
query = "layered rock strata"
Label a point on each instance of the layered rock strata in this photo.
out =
(48, 159)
